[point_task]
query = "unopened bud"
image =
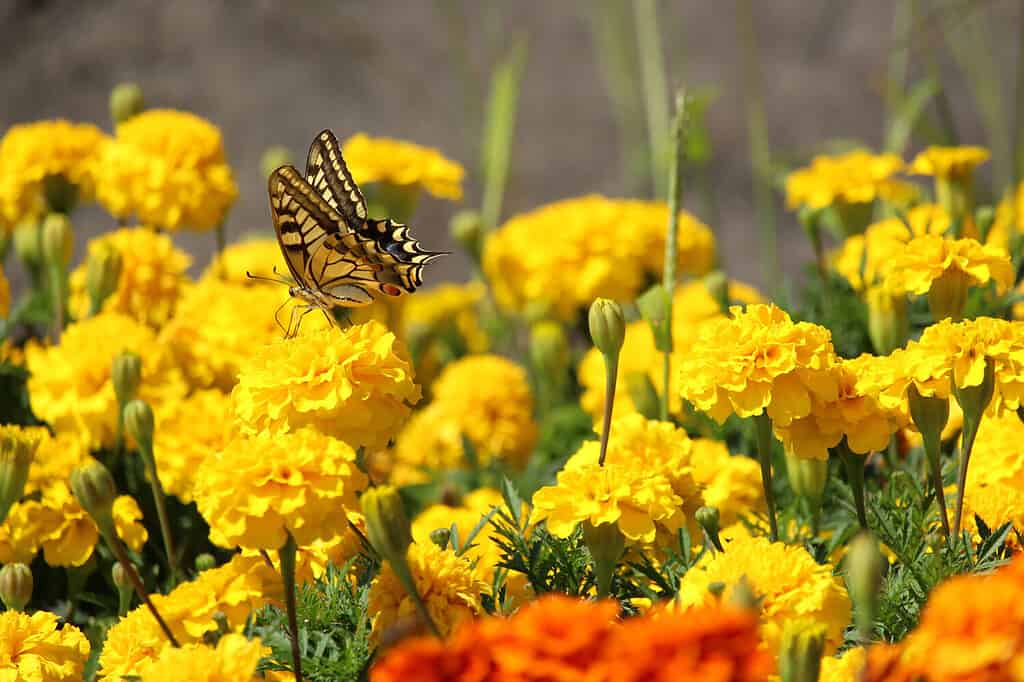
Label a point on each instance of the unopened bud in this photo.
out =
(717, 588)
(930, 415)
(273, 158)
(974, 400)
(807, 478)
(466, 228)
(126, 374)
(126, 100)
(138, 423)
(653, 305)
(865, 566)
(95, 490)
(549, 347)
(441, 537)
(803, 643)
(708, 518)
(643, 394)
(15, 586)
(717, 285)
(888, 322)
(742, 595)
(205, 562)
(607, 326)
(58, 239)
(120, 576)
(17, 449)
(387, 524)
(102, 274)
(28, 243)
(983, 219)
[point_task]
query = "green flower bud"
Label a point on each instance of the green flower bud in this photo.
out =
(15, 586)
(387, 525)
(984, 216)
(138, 423)
(606, 544)
(537, 310)
(549, 348)
(742, 596)
(102, 273)
(807, 477)
(716, 588)
(120, 577)
(803, 643)
(125, 101)
(94, 488)
(17, 449)
(930, 415)
(273, 158)
(467, 229)
(717, 285)
(708, 518)
(126, 374)
(205, 562)
(61, 194)
(865, 566)
(974, 400)
(58, 239)
(28, 243)
(441, 537)
(607, 326)
(888, 322)
(653, 305)
(643, 394)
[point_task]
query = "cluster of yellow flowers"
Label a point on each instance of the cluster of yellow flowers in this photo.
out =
(578, 252)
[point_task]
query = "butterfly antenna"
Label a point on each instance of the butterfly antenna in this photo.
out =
(276, 280)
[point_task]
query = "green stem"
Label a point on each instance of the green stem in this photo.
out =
(287, 557)
(675, 195)
(119, 551)
(160, 498)
(970, 432)
(611, 369)
(58, 293)
(763, 423)
(652, 72)
(854, 465)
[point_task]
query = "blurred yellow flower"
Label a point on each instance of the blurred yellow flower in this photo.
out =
(36, 648)
(730, 483)
(70, 385)
(5, 294)
(856, 177)
(998, 454)
(257, 488)
(233, 659)
(932, 260)
(759, 360)
(484, 397)
(55, 459)
(218, 324)
(153, 276)
(20, 533)
(311, 560)
(787, 580)
(448, 584)
(32, 152)
(1009, 218)
(403, 164)
(846, 668)
(187, 431)
(356, 385)
(127, 521)
(562, 256)
(234, 589)
(257, 256)
(167, 169)
(66, 531)
(949, 162)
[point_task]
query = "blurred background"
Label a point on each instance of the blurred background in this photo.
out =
(779, 79)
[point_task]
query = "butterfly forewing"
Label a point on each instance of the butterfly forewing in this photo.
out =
(328, 174)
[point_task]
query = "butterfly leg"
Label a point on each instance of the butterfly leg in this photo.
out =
(288, 333)
(277, 319)
(306, 309)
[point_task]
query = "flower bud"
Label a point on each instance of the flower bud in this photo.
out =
(606, 544)
(717, 285)
(441, 537)
(888, 322)
(273, 158)
(803, 643)
(864, 568)
(58, 239)
(28, 243)
(126, 374)
(708, 518)
(205, 562)
(807, 478)
(653, 305)
(125, 101)
(643, 394)
(607, 326)
(138, 423)
(120, 576)
(930, 415)
(387, 525)
(974, 400)
(742, 595)
(17, 449)
(95, 490)
(549, 348)
(983, 219)
(102, 273)
(466, 228)
(15, 586)
(717, 588)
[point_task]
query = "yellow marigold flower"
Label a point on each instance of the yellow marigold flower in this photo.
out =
(577, 253)
(442, 305)
(865, 260)
(218, 324)
(998, 454)
(730, 483)
(257, 488)
(70, 384)
(449, 585)
(949, 162)
(932, 260)
(856, 177)
(692, 305)
(356, 385)
(37, 648)
(32, 152)
(787, 580)
(167, 168)
(400, 163)
(759, 360)
(311, 560)
(5, 294)
(153, 276)
(447, 313)
(55, 459)
(994, 502)
(66, 531)
(855, 414)
(234, 589)
(846, 668)
(127, 521)
(20, 533)
(646, 484)
(187, 431)
(234, 659)
(1009, 218)
(257, 256)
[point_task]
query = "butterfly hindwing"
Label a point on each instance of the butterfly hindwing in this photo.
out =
(327, 173)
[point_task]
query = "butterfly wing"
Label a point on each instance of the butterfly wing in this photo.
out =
(399, 251)
(328, 174)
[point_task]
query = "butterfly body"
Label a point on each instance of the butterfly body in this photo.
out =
(336, 253)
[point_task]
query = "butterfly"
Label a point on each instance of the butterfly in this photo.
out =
(336, 253)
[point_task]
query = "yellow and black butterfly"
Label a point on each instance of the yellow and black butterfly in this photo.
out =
(337, 254)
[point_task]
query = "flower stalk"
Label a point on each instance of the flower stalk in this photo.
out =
(138, 419)
(608, 331)
(854, 465)
(763, 424)
(287, 555)
(973, 400)
(930, 415)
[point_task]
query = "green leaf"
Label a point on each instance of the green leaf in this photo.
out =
(499, 128)
(907, 115)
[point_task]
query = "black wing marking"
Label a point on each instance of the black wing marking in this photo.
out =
(328, 174)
